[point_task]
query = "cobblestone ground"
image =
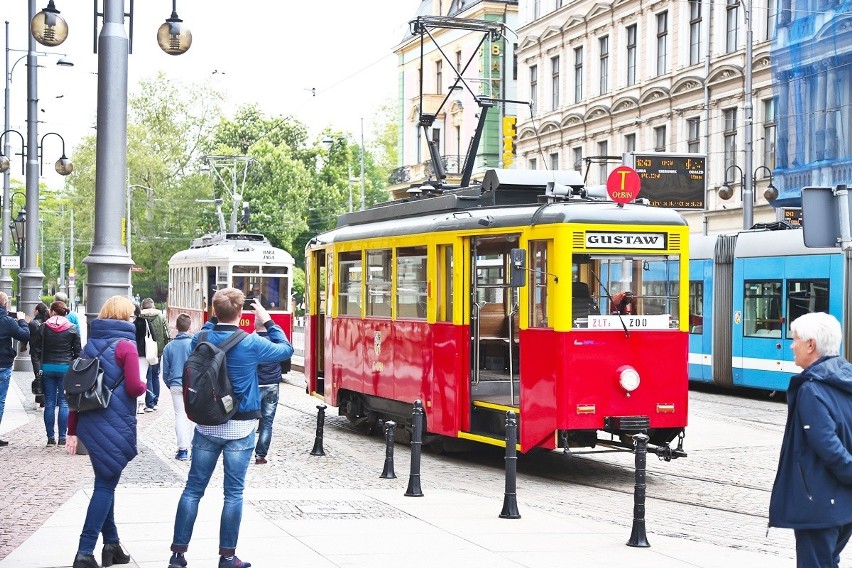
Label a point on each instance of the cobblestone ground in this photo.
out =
(718, 495)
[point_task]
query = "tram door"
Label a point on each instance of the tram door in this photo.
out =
(315, 320)
(494, 372)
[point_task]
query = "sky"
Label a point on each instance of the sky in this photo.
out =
(275, 54)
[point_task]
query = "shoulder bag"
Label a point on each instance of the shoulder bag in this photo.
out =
(150, 345)
(84, 385)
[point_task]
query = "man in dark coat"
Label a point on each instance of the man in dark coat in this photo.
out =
(9, 329)
(812, 493)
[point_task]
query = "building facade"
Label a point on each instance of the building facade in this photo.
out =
(487, 68)
(605, 78)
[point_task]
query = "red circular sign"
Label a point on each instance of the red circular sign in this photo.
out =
(623, 184)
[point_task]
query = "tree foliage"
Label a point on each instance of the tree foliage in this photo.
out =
(295, 187)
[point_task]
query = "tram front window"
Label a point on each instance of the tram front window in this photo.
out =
(627, 285)
(268, 284)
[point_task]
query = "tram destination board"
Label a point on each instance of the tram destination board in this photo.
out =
(676, 181)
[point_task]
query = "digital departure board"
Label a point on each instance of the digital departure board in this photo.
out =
(670, 180)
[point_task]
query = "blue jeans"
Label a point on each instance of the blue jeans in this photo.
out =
(268, 405)
(54, 395)
(152, 394)
(99, 517)
(5, 377)
(205, 455)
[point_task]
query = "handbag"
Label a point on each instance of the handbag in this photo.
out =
(150, 345)
(37, 385)
(84, 385)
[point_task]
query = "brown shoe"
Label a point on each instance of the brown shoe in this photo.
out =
(260, 461)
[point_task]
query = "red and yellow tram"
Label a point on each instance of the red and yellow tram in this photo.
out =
(241, 260)
(517, 295)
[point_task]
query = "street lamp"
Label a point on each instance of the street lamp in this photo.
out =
(725, 192)
(19, 234)
(173, 36)
(5, 151)
(48, 27)
(63, 165)
(771, 192)
(108, 261)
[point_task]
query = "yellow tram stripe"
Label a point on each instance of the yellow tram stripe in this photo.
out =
(493, 406)
(485, 440)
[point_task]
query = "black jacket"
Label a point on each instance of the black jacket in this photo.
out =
(55, 343)
(9, 329)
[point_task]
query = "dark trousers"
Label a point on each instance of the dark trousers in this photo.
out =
(821, 548)
(152, 394)
(100, 517)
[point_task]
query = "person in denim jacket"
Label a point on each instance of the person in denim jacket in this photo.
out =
(175, 355)
(233, 440)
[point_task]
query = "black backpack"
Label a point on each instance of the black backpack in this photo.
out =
(208, 396)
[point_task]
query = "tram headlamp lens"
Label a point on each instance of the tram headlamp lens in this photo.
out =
(628, 377)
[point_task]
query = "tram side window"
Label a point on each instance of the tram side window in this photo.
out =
(806, 296)
(538, 284)
(696, 306)
(445, 283)
(349, 296)
(379, 283)
(762, 309)
(411, 282)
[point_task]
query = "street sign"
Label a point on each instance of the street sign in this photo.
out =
(623, 184)
(137, 269)
(670, 180)
(10, 261)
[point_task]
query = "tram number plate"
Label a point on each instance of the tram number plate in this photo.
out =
(632, 322)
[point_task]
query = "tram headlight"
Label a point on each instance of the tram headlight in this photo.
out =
(628, 378)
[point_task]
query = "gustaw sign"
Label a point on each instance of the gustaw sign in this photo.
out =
(622, 240)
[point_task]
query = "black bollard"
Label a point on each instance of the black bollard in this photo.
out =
(637, 535)
(416, 443)
(388, 472)
(510, 499)
(318, 451)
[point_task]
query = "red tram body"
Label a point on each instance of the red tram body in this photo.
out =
(240, 260)
(434, 299)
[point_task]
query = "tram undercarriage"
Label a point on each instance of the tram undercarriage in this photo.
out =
(488, 424)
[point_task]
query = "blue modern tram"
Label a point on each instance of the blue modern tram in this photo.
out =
(745, 290)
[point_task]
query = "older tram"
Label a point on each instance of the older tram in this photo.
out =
(517, 294)
(242, 260)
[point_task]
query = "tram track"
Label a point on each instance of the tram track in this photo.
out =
(551, 466)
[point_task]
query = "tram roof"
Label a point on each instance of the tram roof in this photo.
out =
(237, 247)
(776, 243)
(479, 218)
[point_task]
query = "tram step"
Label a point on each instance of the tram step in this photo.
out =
(489, 419)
